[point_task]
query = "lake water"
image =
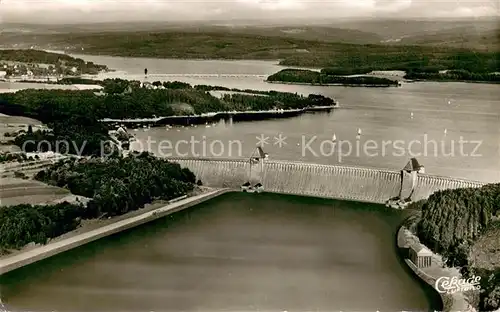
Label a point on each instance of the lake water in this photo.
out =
(239, 252)
(452, 128)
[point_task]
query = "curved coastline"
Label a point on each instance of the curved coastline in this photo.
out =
(437, 299)
(26, 257)
(449, 302)
(364, 85)
(237, 116)
(434, 304)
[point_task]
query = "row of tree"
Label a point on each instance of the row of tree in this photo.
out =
(74, 116)
(24, 224)
(118, 185)
(314, 77)
(114, 185)
(124, 99)
(19, 157)
(453, 220)
(453, 75)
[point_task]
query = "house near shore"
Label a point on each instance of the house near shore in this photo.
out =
(420, 255)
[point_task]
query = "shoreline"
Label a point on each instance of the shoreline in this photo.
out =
(450, 302)
(65, 242)
(78, 53)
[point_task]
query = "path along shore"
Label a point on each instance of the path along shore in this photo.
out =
(457, 301)
(21, 259)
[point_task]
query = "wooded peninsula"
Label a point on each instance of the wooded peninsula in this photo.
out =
(303, 76)
(75, 115)
(463, 226)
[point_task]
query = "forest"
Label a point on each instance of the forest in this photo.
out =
(453, 75)
(199, 43)
(313, 77)
(453, 220)
(73, 116)
(115, 186)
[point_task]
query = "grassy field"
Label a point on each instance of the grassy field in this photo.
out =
(18, 191)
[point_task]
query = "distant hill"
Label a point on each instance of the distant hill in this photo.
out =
(394, 28)
(304, 32)
(479, 34)
(462, 37)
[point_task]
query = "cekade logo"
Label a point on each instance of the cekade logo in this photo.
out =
(450, 285)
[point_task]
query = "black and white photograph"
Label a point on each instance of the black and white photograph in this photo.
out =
(249, 155)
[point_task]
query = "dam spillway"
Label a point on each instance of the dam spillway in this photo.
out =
(328, 181)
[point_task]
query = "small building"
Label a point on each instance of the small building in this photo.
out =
(258, 187)
(420, 255)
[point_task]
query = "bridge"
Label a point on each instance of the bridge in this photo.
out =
(208, 75)
(307, 179)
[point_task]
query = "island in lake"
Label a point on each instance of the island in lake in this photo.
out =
(304, 76)
(366, 77)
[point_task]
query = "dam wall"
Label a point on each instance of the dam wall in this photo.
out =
(329, 181)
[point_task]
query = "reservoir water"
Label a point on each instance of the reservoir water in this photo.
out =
(238, 252)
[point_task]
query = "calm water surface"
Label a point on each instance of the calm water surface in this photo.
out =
(444, 115)
(239, 252)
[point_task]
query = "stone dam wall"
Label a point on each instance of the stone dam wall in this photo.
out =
(329, 181)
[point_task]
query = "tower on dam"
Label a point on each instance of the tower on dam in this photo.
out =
(255, 171)
(412, 168)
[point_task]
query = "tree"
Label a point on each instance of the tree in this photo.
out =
(492, 301)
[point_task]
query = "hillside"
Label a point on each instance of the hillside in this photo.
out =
(463, 226)
(291, 52)
(477, 34)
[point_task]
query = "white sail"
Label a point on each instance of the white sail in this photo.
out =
(334, 138)
(359, 131)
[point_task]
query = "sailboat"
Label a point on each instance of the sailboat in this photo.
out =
(411, 115)
(359, 131)
(445, 131)
(334, 138)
